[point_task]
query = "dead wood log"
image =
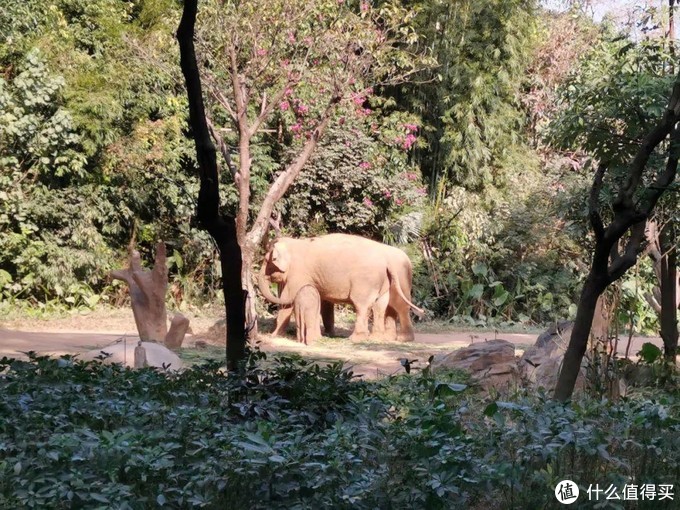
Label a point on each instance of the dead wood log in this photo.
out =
(147, 295)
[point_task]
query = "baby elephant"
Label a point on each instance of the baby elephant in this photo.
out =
(307, 310)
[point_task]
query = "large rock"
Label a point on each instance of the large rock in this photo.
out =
(217, 333)
(540, 364)
(157, 355)
(490, 364)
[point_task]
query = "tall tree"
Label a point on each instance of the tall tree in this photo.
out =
(618, 244)
(275, 66)
(222, 228)
(470, 103)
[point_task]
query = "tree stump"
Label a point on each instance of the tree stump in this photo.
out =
(147, 295)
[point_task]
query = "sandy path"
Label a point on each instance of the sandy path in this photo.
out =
(368, 358)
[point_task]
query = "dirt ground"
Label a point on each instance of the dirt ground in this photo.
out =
(79, 333)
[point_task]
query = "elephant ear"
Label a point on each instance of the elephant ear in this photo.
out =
(281, 257)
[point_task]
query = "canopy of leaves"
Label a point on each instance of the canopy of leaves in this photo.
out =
(619, 90)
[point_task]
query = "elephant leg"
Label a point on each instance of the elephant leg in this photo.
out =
(405, 333)
(361, 326)
(391, 324)
(328, 317)
(313, 329)
(379, 309)
(282, 321)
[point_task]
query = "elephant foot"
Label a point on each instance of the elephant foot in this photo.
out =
(358, 337)
(406, 337)
(384, 336)
(329, 332)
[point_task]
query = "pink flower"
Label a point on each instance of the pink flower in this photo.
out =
(341, 120)
(387, 193)
(364, 165)
(364, 6)
(288, 92)
(421, 191)
(412, 176)
(411, 128)
(291, 37)
(296, 128)
(302, 109)
(398, 201)
(368, 202)
(358, 99)
(284, 105)
(366, 111)
(409, 141)
(261, 52)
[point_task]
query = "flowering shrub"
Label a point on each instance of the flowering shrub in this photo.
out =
(353, 184)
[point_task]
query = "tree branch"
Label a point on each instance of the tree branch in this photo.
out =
(286, 178)
(634, 247)
(594, 202)
(665, 178)
(649, 144)
(224, 149)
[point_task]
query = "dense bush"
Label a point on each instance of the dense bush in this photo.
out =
(513, 255)
(294, 435)
(354, 184)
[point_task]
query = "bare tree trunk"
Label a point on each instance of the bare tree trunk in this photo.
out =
(669, 287)
(665, 297)
(248, 255)
(221, 228)
(147, 295)
(571, 365)
(671, 33)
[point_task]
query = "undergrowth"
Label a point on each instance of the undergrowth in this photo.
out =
(299, 435)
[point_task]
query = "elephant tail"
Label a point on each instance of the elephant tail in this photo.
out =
(394, 280)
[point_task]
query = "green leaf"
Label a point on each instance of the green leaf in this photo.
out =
(480, 269)
(476, 291)
(491, 409)
(99, 497)
(442, 389)
(650, 352)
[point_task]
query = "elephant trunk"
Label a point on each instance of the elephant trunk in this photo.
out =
(263, 285)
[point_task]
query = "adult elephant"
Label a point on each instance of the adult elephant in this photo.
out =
(345, 269)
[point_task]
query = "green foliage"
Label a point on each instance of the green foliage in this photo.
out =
(614, 97)
(470, 105)
(611, 101)
(634, 310)
(353, 184)
(50, 243)
(511, 258)
(296, 435)
(92, 143)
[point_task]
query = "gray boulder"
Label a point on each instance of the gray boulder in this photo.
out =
(490, 364)
(540, 364)
(156, 355)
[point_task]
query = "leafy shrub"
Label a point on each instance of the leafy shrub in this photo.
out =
(512, 256)
(354, 184)
(292, 434)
